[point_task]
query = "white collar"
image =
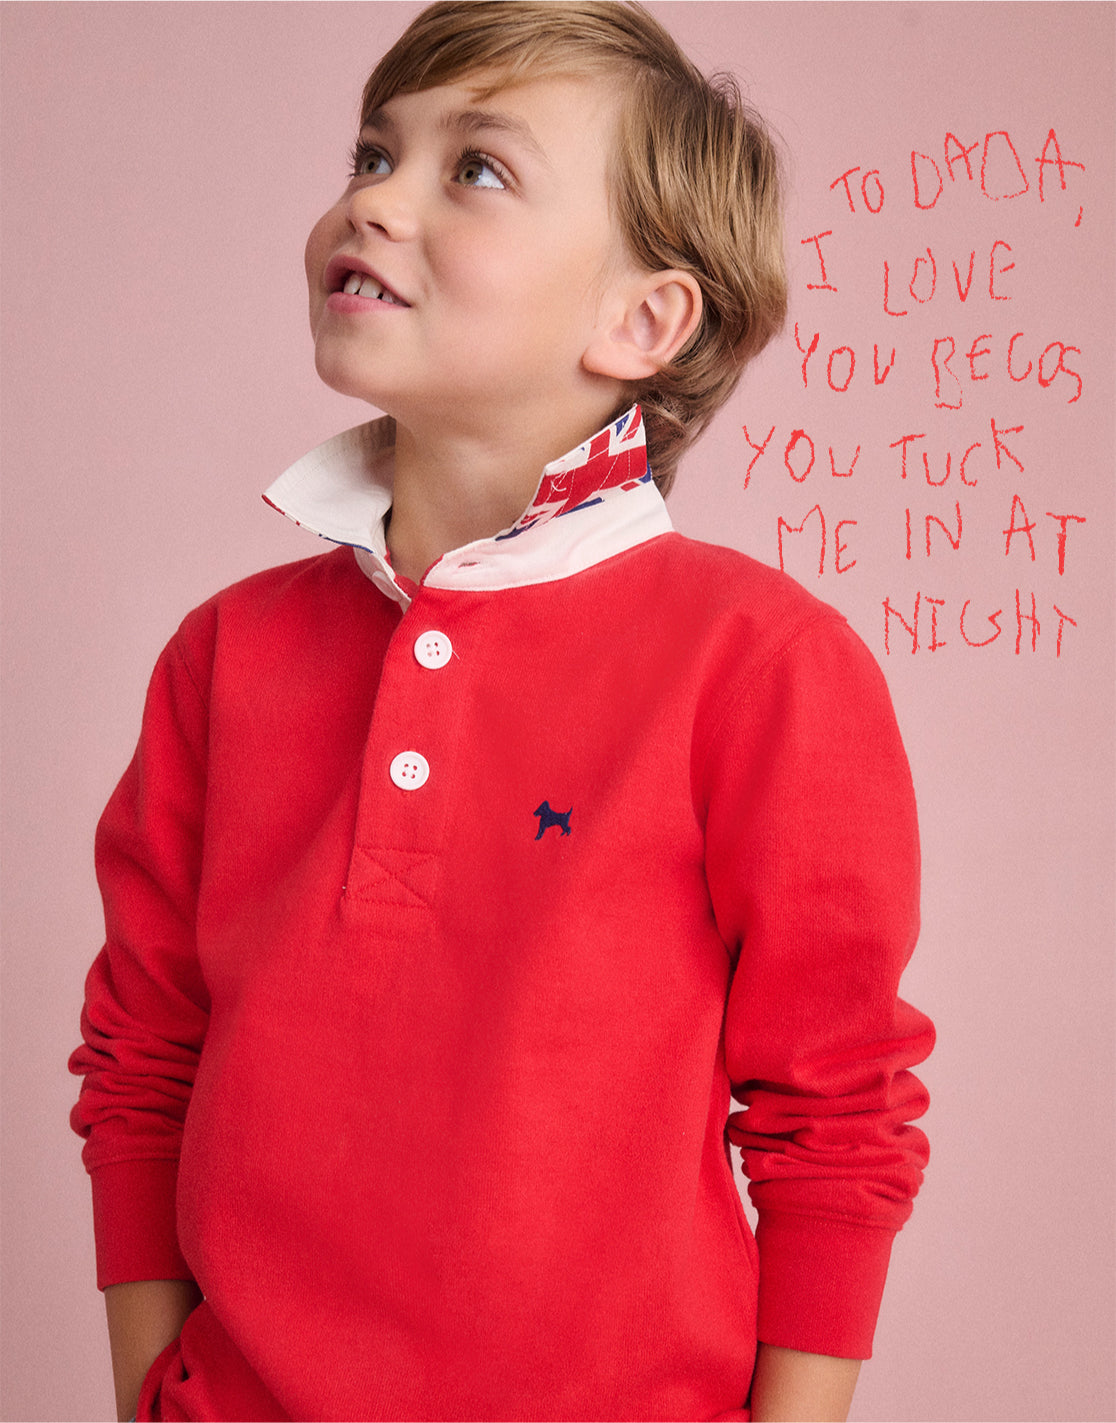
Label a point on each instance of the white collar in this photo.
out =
(342, 492)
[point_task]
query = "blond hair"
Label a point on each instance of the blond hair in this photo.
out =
(695, 180)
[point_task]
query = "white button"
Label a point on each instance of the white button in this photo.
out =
(409, 770)
(433, 649)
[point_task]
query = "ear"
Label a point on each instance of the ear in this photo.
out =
(644, 325)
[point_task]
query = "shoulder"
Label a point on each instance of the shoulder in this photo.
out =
(273, 607)
(302, 581)
(791, 698)
(287, 586)
(757, 608)
(768, 644)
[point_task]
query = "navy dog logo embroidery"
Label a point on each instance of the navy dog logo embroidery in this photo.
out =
(548, 817)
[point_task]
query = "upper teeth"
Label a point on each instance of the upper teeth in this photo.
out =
(356, 284)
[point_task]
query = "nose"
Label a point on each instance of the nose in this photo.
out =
(389, 205)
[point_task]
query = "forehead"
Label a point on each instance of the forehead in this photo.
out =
(543, 115)
(484, 80)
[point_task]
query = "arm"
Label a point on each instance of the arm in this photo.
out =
(143, 1317)
(143, 1025)
(789, 1385)
(812, 861)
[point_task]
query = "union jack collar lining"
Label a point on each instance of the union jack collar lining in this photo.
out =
(342, 492)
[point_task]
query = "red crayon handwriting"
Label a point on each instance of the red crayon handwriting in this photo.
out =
(1026, 527)
(800, 456)
(954, 542)
(840, 545)
(871, 182)
(759, 449)
(825, 285)
(923, 638)
(924, 279)
(1051, 363)
(840, 364)
(999, 444)
(999, 174)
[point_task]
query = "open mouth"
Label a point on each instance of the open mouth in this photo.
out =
(360, 284)
(344, 277)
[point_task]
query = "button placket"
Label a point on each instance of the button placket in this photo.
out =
(409, 770)
(433, 649)
(413, 747)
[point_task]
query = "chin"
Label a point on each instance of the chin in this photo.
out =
(340, 376)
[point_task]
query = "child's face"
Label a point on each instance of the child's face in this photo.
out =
(488, 225)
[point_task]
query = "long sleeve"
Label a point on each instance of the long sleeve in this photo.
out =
(813, 865)
(146, 1004)
(457, 1090)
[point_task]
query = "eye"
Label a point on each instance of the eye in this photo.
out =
(475, 170)
(366, 160)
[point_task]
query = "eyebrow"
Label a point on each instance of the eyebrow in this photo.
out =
(471, 122)
(478, 121)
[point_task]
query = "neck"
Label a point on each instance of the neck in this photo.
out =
(452, 489)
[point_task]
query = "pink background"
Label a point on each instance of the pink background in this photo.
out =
(162, 166)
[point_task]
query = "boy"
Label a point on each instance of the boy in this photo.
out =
(465, 872)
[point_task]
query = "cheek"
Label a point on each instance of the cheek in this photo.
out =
(319, 249)
(492, 283)
(320, 246)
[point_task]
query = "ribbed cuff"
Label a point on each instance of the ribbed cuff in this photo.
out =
(134, 1222)
(820, 1284)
